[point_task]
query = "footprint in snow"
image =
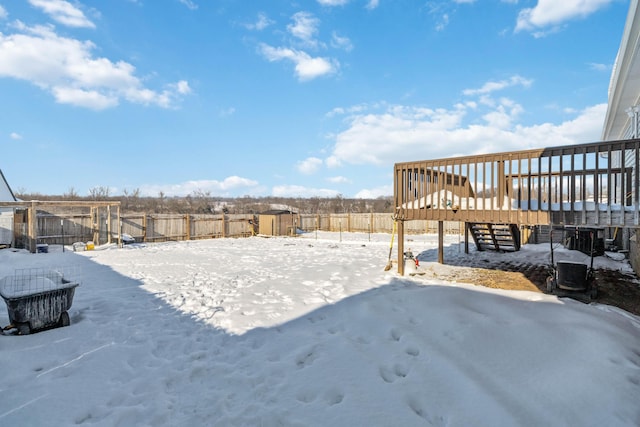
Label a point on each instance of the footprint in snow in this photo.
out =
(387, 375)
(418, 409)
(306, 396)
(390, 375)
(333, 397)
(306, 358)
(412, 351)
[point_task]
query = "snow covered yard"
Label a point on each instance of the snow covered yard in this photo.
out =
(311, 331)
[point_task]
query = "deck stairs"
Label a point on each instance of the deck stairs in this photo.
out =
(495, 237)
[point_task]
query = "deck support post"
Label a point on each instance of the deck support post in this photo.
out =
(441, 242)
(466, 238)
(400, 224)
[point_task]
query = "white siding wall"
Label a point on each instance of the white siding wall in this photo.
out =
(6, 226)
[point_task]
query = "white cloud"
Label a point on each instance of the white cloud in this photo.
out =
(300, 191)
(306, 66)
(227, 112)
(373, 4)
(374, 193)
(333, 2)
(83, 98)
(444, 21)
(490, 87)
(261, 23)
(309, 165)
(551, 13)
(339, 180)
(377, 138)
(182, 87)
(402, 133)
(339, 42)
(67, 69)
(503, 115)
(304, 27)
(585, 127)
(189, 3)
(3, 13)
(232, 184)
(15, 136)
(63, 12)
(350, 110)
(599, 67)
(304, 30)
(333, 162)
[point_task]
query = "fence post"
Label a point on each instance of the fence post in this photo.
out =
(108, 224)
(224, 226)
(119, 227)
(144, 226)
(371, 223)
(187, 219)
(33, 238)
(95, 225)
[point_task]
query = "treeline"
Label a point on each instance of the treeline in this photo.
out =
(203, 202)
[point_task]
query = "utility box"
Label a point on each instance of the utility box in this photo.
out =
(579, 239)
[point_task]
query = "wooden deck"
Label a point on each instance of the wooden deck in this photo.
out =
(585, 185)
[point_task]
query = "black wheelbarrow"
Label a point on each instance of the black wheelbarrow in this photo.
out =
(37, 300)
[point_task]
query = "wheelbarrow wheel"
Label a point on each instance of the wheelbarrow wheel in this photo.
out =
(24, 328)
(64, 319)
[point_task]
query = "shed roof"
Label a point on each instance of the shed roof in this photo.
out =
(278, 212)
(6, 195)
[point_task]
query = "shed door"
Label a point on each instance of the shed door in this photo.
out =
(6, 226)
(266, 225)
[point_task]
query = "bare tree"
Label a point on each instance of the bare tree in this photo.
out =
(71, 194)
(99, 193)
(131, 200)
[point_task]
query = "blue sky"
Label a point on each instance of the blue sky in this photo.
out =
(290, 98)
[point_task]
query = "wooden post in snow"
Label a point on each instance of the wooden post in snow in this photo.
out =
(144, 227)
(466, 237)
(441, 242)
(119, 227)
(33, 230)
(108, 224)
(400, 224)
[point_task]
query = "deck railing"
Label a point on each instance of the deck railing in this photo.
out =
(592, 184)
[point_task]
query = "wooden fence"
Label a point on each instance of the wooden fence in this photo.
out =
(372, 223)
(101, 229)
(67, 229)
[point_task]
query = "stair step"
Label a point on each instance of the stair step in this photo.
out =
(496, 237)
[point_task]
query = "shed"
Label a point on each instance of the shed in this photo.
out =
(278, 222)
(6, 213)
